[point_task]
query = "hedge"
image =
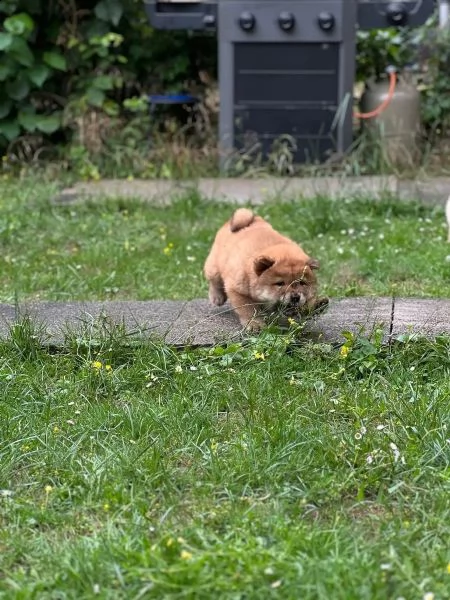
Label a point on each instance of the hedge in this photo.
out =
(59, 58)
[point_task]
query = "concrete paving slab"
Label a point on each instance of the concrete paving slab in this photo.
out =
(433, 191)
(357, 315)
(201, 324)
(58, 319)
(238, 191)
(155, 191)
(424, 317)
(7, 318)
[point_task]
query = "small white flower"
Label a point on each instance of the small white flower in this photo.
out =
(178, 369)
(428, 596)
(358, 436)
(192, 368)
(395, 451)
(363, 430)
(380, 427)
(385, 566)
(369, 459)
(340, 250)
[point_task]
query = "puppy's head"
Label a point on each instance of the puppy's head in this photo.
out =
(285, 278)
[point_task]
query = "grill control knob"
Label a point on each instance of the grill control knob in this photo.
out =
(396, 14)
(286, 20)
(326, 21)
(209, 21)
(247, 21)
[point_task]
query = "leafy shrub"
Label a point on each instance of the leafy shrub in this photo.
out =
(61, 60)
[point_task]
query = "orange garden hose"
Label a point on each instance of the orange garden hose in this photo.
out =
(384, 104)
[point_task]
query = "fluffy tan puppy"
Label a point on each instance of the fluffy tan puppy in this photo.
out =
(259, 270)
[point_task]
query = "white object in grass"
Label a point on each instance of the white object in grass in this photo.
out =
(447, 214)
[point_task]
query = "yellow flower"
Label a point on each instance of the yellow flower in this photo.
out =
(97, 365)
(185, 555)
(292, 321)
(106, 507)
(169, 542)
(168, 249)
(108, 368)
(448, 568)
(259, 355)
(48, 489)
(345, 351)
(55, 429)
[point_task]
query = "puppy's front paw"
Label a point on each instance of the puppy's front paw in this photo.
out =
(321, 304)
(217, 298)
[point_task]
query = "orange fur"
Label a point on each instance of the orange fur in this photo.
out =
(256, 268)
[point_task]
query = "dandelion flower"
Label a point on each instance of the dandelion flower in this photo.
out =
(344, 351)
(48, 489)
(185, 555)
(108, 368)
(97, 365)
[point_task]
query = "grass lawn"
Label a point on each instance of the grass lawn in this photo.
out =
(265, 469)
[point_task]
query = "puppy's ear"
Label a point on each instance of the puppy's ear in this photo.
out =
(262, 264)
(313, 263)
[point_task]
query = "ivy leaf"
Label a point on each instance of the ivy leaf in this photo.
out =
(9, 129)
(28, 120)
(18, 89)
(21, 24)
(6, 40)
(55, 60)
(5, 71)
(5, 107)
(110, 11)
(103, 82)
(38, 74)
(20, 50)
(49, 123)
(95, 97)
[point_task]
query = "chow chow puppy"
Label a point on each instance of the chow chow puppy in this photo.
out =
(258, 270)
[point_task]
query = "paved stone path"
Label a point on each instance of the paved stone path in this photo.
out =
(197, 323)
(257, 191)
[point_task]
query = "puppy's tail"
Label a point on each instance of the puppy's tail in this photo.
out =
(243, 217)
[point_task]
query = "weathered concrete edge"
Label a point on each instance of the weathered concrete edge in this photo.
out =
(184, 323)
(256, 191)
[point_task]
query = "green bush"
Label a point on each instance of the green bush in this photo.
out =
(60, 59)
